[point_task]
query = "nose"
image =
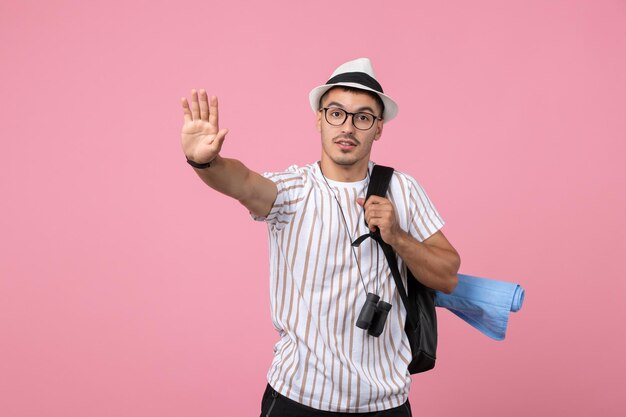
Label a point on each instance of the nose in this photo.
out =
(348, 125)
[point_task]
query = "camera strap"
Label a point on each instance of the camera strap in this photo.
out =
(345, 223)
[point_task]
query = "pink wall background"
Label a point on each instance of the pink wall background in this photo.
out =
(127, 288)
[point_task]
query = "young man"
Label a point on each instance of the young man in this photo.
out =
(323, 363)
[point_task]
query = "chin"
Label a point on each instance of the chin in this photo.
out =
(344, 161)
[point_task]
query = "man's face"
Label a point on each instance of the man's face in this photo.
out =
(346, 145)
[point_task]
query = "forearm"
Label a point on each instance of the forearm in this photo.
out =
(433, 266)
(227, 176)
(232, 178)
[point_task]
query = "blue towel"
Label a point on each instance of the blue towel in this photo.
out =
(483, 303)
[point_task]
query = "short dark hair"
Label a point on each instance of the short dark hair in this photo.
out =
(373, 95)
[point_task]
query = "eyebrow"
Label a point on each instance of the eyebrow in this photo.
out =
(341, 106)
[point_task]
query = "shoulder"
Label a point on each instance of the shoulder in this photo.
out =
(405, 189)
(293, 171)
(295, 180)
(405, 180)
(402, 177)
(293, 175)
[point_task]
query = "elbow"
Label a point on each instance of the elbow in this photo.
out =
(451, 280)
(450, 284)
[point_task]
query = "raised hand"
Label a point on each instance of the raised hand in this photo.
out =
(201, 136)
(380, 212)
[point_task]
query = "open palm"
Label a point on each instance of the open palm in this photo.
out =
(201, 136)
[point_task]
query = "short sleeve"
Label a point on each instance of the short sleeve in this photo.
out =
(290, 186)
(424, 218)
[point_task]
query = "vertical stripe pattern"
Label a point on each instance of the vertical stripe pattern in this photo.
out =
(322, 360)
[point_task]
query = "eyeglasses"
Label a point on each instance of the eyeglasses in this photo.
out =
(361, 120)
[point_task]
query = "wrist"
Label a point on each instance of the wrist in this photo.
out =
(398, 239)
(202, 165)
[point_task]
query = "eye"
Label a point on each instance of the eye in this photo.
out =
(336, 113)
(364, 117)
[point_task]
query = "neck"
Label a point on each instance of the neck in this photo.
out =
(344, 173)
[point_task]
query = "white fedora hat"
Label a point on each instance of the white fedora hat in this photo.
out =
(356, 74)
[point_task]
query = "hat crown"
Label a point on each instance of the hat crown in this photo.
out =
(358, 74)
(357, 65)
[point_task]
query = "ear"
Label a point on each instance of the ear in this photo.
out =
(318, 121)
(379, 129)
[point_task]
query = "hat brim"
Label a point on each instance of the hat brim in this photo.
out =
(391, 108)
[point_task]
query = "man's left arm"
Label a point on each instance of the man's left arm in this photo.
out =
(434, 262)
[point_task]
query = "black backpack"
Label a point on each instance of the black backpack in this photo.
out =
(421, 318)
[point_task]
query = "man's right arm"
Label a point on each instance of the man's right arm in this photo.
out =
(202, 141)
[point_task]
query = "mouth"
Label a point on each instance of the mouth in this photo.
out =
(345, 144)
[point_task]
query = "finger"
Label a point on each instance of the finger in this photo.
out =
(204, 105)
(370, 217)
(214, 117)
(218, 136)
(367, 204)
(374, 199)
(373, 207)
(378, 203)
(195, 108)
(360, 201)
(372, 224)
(219, 139)
(373, 214)
(380, 210)
(186, 110)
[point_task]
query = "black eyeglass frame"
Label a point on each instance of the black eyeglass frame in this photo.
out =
(347, 113)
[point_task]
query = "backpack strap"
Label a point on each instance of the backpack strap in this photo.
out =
(379, 184)
(379, 181)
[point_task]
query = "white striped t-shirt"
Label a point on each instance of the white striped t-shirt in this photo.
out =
(322, 359)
